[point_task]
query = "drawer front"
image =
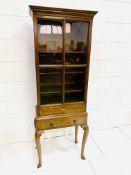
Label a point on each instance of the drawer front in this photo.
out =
(60, 122)
(61, 109)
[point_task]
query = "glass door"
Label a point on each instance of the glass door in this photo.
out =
(50, 42)
(75, 60)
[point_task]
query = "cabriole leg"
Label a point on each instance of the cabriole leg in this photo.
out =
(86, 131)
(38, 146)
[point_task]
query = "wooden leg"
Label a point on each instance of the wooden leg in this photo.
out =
(38, 146)
(76, 134)
(86, 131)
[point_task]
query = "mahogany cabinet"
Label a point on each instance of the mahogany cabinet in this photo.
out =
(62, 39)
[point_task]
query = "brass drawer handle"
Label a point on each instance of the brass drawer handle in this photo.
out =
(51, 125)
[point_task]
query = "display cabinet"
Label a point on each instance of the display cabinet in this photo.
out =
(62, 39)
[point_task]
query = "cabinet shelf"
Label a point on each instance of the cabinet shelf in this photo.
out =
(75, 52)
(50, 84)
(74, 72)
(73, 90)
(58, 73)
(54, 92)
(61, 66)
(75, 65)
(66, 52)
(58, 92)
(51, 73)
(50, 52)
(56, 84)
(50, 66)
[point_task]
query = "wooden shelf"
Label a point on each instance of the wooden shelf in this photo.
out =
(61, 66)
(50, 84)
(75, 72)
(51, 73)
(56, 84)
(55, 51)
(50, 66)
(73, 52)
(75, 65)
(51, 52)
(58, 92)
(50, 92)
(73, 90)
(59, 73)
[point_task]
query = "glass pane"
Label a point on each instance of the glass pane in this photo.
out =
(50, 58)
(74, 84)
(50, 35)
(75, 58)
(50, 41)
(76, 42)
(50, 85)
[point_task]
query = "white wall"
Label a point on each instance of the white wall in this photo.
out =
(109, 96)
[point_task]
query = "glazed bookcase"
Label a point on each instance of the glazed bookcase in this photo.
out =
(62, 40)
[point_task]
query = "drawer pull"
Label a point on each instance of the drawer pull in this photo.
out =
(51, 125)
(74, 121)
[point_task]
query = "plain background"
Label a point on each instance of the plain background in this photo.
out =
(109, 96)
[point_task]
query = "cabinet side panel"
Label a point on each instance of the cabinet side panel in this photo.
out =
(36, 61)
(88, 58)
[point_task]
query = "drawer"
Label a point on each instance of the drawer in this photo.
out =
(63, 108)
(60, 121)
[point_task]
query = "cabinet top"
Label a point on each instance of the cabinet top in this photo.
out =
(61, 12)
